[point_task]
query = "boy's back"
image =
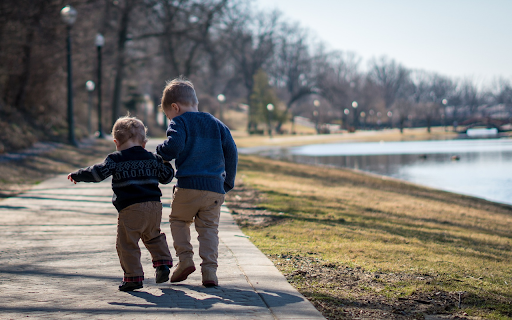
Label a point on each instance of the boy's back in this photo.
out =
(205, 152)
(206, 160)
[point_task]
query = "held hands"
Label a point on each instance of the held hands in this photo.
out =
(71, 179)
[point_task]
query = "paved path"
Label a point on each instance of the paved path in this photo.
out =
(58, 261)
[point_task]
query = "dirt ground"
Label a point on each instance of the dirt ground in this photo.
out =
(353, 292)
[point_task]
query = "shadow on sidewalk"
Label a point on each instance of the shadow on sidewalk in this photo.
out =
(177, 297)
(67, 198)
(30, 271)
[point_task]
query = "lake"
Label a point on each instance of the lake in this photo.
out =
(476, 167)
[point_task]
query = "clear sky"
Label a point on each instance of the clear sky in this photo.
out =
(456, 38)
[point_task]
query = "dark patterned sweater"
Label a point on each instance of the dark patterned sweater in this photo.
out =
(135, 173)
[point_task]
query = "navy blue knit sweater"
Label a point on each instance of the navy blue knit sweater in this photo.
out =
(135, 173)
(205, 152)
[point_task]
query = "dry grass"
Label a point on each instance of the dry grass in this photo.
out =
(17, 176)
(421, 240)
(307, 136)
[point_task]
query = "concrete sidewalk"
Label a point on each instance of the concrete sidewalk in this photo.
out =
(58, 261)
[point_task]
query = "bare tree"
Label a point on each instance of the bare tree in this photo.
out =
(430, 90)
(392, 77)
(183, 27)
(396, 87)
(502, 94)
(368, 99)
(216, 72)
(252, 44)
(469, 99)
(402, 108)
(292, 67)
(338, 79)
(125, 11)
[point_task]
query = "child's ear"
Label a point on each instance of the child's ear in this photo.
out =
(117, 143)
(176, 107)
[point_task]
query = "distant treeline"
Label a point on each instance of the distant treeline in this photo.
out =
(225, 47)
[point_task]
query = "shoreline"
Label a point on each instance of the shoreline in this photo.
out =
(244, 140)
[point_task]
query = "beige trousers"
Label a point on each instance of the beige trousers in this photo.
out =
(135, 222)
(203, 208)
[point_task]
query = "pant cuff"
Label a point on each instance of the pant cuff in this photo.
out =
(158, 263)
(133, 279)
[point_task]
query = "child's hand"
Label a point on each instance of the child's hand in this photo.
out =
(71, 179)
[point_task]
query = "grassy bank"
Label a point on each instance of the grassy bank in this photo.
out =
(362, 246)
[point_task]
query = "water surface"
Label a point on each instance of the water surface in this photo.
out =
(481, 168)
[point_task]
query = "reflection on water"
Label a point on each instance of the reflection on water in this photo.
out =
(483, 168)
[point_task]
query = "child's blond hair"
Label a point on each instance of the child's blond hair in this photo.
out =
(127, 128)
(179, 90)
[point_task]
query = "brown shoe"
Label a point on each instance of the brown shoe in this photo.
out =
(210, 278)
(183, 269)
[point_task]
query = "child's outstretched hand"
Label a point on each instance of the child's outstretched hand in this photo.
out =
(71, 179)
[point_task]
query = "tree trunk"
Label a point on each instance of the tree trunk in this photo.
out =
(120, 63)
(19, 100)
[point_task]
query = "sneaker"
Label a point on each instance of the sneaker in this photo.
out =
(130, 286)
(183, 269)
(162, 274)
(210, 278)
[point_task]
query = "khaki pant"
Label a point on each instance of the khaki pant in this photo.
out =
(140, 221)
(203, 208)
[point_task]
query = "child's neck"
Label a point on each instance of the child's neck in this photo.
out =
(188, 109)
(128, 144)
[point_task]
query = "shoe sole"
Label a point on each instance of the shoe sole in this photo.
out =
(164, 277)
(183, 276)
(209, 284)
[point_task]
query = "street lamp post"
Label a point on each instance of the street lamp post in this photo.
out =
(390, 116)
(68, 15)
(316, 113)
(356, 114)
(100, 42)
(89, 85)
(346, 112)
(270, 108)
(221, 99)
(443, 116)
(363, 115)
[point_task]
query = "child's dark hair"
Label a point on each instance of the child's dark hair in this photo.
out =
(179, 90)
(128, 127)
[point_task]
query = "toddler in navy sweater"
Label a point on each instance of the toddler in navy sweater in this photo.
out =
(135, 173)
(206, 158)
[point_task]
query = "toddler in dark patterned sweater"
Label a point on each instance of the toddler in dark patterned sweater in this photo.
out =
(135, 173)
